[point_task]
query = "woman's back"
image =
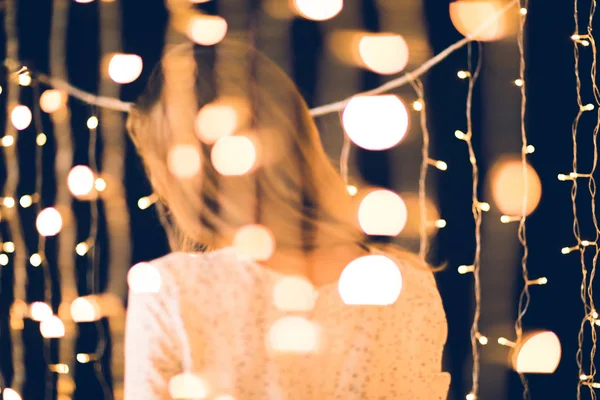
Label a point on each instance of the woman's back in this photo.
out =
(214, 314)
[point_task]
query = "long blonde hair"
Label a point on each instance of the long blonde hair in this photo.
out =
(293, 190)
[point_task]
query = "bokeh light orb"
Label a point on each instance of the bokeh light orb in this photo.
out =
(21, 117)
(85, 309)
(370, 280)
(294, 293)
(476, 19)
(125, 68)
(52, 100)
(539, 353)
(188, 386)
(10, 394)
(508, 187)
(375, 122)
(233, 155)
(52, 328)
(255, 242)
(293, 334)
(216, 120)
(80, 180)
(49, 222)
(39, 311)
(318, 10)
(144, 278)
(383, 53)
(207, 30)
(184, 161)
(382, 213)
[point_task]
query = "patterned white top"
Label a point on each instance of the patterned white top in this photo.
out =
(212, 316)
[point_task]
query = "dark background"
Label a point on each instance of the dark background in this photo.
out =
(551, 109)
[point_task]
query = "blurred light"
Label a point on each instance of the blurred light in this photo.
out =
(352, 190)
(3, 259)
(85, 309)
(294, 293)
(80, 180)
(100, 184)
(188, 386)
(183, 161)
(35, 260)
(294, 334)
(375, 122)
(508, 187)
(519, 82)
(92, 122)
(125, 68)
(207, 30)
(26, 201)
(215, 121)
(540, 353)
(383, 53)
(8, 247)
(82, 248)
(83, 358)
(8, 202)
(479, 19)
(463, 74)
(39, 311)
(10, 394)
(233, 155)
(370, 280)
(8, 140)
(144, 278)
(382, 213)
(49, 222)
(52, 328)
(418, 105)
(21, 117)
(255, 242)
(25, 79)
(52, 100)
(318, 10)
(40, 139)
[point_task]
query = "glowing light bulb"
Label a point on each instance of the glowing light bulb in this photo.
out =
(39, 311)
(25, 79)
(49, 222)
(35, 260)
(183, 161)
(465, 269)
(26, 201)
(215, 121)
(463, 74)
(40, 139)
(508, 187)
(519, 82)
(92, 122)
(318, 10)
(370, 280)
(233, 155)
(21, 117)
(52, 327)
(125, 68)
(207, 30)
(523, 11)
(460, 135)
(7, 140)
(83, 358)
(294, 293)
(352, 190)
(383, 53)
(3, 259)
(8, 247)
(293, 334)
(188, 386)
(144, 202)
(10, 394)
(255, 242)
(52, 100)
(375, 122)
(471, 396)
(383, 213)
(85, 309)
(80, 181)
(418, 105)
(144, 278)
(100, 184)
(540, 353)
(82, 248)
(440, 223)
(479, 19)
(8, 202)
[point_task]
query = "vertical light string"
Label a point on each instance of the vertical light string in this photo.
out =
(477, 209)
(524, 297)
(10, 213)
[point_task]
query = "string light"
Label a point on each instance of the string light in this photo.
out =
(147, 201)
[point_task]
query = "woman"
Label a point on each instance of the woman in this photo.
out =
(213, 315)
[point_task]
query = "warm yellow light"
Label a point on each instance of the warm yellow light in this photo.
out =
(508, 187)
(21, 117)
(144, 202)
(144, 278)
(92, 122)
(25, 79)
(216, 120)
(418, 105)
(440, 223)
(82, 248)
(318, 10)
(3, 259)
(483, 340)
(8, 247)
(100, 184)
(207, 30)
(35, 260)
(125, 68)
(479, 19)
(188, 386)
(523, 11)
(383, 53)
(59, 368)
(370, 280)
(8, 202)
(40, 139)
(294, 334)
(39, 311)
(83, 358)
(85, 309)
(183, 161)
(539, 353)
(10, 394)
(463, 74)
(470, 396)
(233, 155)
(465, 269)
(26, 201)
(519, 82)
(52, 328)
(483, 206)
(255, 242)
(352, 190)
(52, 100)
(375, 122)
(49, 222)
(7, 141)
(382, 213)
(294, 293)
(80, 181)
